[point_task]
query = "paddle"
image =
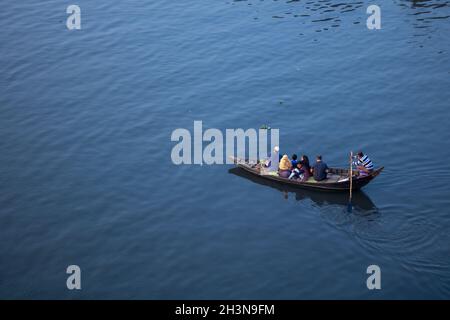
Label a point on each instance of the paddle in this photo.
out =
(349, 207)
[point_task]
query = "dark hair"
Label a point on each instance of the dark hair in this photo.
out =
(305, 160)
(319, 157)
(360, 154)
(294, 157)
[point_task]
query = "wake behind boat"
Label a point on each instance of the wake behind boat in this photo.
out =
(337, 178)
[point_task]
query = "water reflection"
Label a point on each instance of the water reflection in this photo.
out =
(324, 14)
(434, 4)
(328, 14)
(360, 201)
(424, 13)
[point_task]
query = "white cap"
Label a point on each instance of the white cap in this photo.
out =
(276, 149)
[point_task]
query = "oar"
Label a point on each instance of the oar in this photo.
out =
(349, 207)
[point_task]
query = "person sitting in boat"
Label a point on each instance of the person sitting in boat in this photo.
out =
(302, 171)
(284, 169)
(320, 169)
(306, 168)
(305, 161)
(363, 164)
(273, 161)
(294, 161)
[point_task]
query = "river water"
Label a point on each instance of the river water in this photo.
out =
(86, 176)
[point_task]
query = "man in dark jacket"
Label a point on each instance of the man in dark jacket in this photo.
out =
(320, 169)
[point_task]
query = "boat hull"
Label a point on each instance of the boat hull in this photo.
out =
(327, 185)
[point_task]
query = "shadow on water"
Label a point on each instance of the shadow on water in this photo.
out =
(360, 200)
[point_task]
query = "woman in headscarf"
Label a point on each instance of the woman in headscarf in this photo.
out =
(274, 161)
(284, 169)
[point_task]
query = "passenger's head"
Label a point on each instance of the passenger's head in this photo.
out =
(319, 158)
(305, 159)
(299, 165)
(360, 154)
(294, 157)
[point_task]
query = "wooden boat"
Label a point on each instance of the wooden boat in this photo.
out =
(360, 199)
(337, 179)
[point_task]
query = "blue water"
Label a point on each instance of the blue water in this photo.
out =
(86, 176)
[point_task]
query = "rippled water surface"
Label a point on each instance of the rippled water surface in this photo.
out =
(85, 170)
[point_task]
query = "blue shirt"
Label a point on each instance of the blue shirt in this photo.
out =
(364, 162)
